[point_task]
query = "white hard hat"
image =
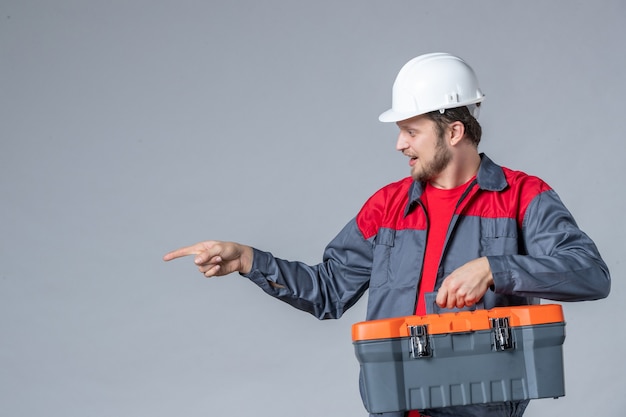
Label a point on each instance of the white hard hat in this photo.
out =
(430, 82)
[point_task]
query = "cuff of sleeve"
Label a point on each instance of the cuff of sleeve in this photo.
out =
(260, 263)
(503, 279)
(261, 270)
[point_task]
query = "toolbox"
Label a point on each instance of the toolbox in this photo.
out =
(461, 358)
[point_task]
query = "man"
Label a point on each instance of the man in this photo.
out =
(460, 225)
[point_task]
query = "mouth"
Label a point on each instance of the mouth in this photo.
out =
(412, 160)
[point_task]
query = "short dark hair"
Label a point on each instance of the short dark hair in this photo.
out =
(473, 131)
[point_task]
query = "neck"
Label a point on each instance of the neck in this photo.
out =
(460, 170)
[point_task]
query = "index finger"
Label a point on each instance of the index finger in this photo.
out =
(179, 253)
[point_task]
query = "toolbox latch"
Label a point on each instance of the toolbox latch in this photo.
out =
(419, 341)
(501, 334)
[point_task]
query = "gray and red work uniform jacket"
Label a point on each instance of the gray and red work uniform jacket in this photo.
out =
(534, 247)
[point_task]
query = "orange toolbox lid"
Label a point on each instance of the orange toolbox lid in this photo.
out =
(457, 322)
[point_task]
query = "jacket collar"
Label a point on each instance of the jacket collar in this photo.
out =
(490, 177)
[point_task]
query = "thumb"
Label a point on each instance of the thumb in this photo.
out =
(442, 297)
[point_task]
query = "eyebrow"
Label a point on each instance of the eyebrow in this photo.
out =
(407, 126)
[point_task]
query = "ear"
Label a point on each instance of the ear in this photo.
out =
(456, 130)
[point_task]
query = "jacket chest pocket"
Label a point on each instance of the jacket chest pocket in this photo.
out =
(397, 259)
(381, 267)
(499, 237)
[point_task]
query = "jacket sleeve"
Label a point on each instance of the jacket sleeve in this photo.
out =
(325, 290)
(560, 262)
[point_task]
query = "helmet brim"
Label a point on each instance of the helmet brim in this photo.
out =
(393, 116)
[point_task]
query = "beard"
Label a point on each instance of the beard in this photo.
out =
(434, 167)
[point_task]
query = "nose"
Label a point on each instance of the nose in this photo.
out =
(401, 143)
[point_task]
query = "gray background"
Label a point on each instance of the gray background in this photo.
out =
(130, 128)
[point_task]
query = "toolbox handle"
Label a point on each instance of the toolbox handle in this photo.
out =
(433, 308)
